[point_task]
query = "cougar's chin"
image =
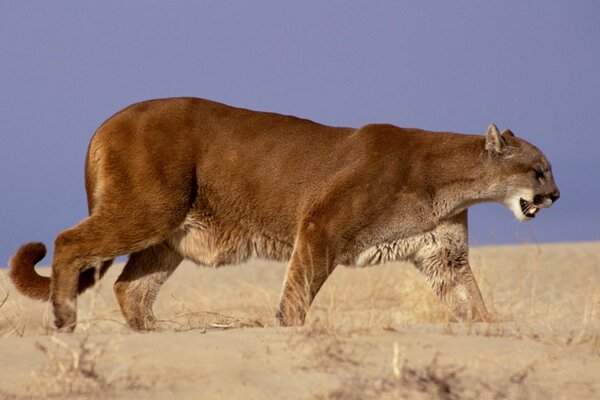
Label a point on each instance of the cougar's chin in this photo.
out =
(528, 208)
(523, 209)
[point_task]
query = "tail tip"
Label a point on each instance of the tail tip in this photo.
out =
(31, 253)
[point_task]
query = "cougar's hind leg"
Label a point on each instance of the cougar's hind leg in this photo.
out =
(139, 283)
(141, 182)
(73, 252)
(96, 240)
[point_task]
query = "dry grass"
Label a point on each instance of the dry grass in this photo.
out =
(538, 301)
(548, 295)
(519, 289)
(526, 301)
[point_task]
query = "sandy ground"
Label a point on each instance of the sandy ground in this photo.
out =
(374, 333)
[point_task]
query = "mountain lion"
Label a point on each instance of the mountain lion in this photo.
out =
(189, 178)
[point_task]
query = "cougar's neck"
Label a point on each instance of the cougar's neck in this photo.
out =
(463, 178)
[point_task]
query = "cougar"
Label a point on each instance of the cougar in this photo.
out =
(186, 178)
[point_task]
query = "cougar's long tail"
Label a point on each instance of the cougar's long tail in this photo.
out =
(23, 274)
(27, 281)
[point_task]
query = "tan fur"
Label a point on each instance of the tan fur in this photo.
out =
(189, 178)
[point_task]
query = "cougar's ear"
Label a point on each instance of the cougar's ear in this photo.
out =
(507, 133)
(494, 142)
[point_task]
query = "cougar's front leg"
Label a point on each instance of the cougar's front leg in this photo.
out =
(451, 278)
(473, 308)
(311, 263)
(444, 259)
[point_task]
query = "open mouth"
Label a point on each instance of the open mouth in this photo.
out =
(528, 208)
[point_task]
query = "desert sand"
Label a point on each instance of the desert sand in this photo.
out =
(374, 333)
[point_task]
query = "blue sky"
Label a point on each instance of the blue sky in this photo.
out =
(533, 67)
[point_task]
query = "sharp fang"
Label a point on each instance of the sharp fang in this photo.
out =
(533, 210)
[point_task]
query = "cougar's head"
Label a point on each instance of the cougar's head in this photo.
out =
(524, 176)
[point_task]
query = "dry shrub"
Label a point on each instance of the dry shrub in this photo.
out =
(431, 381)
(204, 320)
(10, 322)
(79, 370)
(192, 319)
(325, 348)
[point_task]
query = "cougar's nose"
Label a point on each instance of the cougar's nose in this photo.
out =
(555, 195)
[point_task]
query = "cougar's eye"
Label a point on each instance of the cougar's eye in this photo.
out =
(539, 175)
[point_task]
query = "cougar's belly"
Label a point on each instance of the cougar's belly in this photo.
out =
(402, 249)
(207, 241)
